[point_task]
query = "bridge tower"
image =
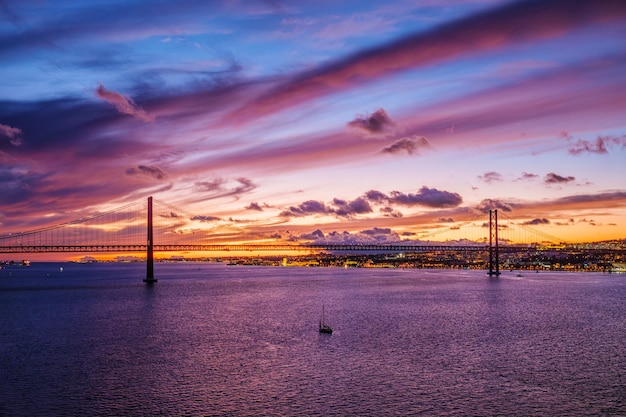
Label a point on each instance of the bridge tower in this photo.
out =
(494, 253)
(150, 250)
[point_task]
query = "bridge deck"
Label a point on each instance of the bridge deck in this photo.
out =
(275, 248)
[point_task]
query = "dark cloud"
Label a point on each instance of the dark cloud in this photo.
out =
(171, 215)
(148, 171)
(552, 178)
(490, 204)
(254, 206)
(536, 222)
(527, 176)
(340, 208)
(429, 197)
(409, 145)
(17, 186)
(390, 212)
(60, 197)
(490, 177)
(377, 231)
(316, 235)
(307, 208)
(445, 220)
(374, 235)
(349, 208)
(376, 124)
(204, 219)
(376, 196)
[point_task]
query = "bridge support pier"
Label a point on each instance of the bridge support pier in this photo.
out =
(494, 253)
(150, 251)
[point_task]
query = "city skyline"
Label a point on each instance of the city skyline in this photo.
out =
(301, 120)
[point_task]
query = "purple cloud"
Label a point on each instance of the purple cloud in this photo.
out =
(377, 231)
(377, 124)
(13, 133)
(527, 176)
(148, 171)
(390, 212)
(537, 222)
(124, 105)
(376, 196)
(490, 204)
(204, 219)
(170, 215)
(490, 177)
(598, 146)
(315, 235)
(216, 184)
(374, 235)
(552, 178)
(349, 208)
(307, 208)
(409, 145)
(254, 206)
(429, 197)
(218, 189)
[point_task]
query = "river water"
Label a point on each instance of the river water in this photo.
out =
(218, 340)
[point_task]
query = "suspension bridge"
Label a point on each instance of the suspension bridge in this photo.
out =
(151, 226)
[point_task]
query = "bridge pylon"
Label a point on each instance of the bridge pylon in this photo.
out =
(494, 252)
(150, 248)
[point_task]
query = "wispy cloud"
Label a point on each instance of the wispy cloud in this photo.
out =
(123, 104)
(600, 145)
(203, 219)
(514, 23)
(216, 188)
(13, 133)
(147, 170)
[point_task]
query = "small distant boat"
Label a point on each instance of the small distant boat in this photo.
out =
(324, 328)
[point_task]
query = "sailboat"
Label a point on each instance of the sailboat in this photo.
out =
(324, 328)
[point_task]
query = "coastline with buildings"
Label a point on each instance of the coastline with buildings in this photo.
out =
(598, 257)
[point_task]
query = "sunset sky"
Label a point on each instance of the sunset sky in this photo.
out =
(306, 120)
